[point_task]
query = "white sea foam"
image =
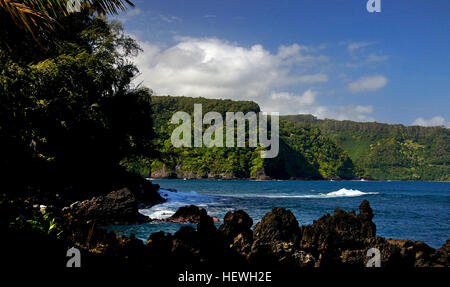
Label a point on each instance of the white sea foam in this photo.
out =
(178, 199)
(343, 192)
(174, 201)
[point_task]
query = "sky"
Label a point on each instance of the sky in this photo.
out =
(329, 58)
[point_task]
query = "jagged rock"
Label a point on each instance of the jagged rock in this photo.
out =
(118, 207)
(147, 193)
(188, 214)
(236, 228)
(344, 238)
(365, 217)
(206, 225)
(276, 241)
(242, 243)
(278, 225)
(341, 230)
(419, 254)
(357, 256)
(162, 173)
(442, 256)
(235, 223)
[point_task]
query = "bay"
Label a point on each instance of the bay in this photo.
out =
(403, 209)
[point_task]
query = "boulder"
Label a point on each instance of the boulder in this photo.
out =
(419, 254)
(442, 256)
(236, 229)
(357, 256)
(276, 241)
(344, 239)
(278, 225)
(206, 225)
(118, 207)
(340, 230)
(235, 223)
(189, 214)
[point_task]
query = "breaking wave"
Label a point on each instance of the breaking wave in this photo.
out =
(174, 201)
(178, 199)
(343, 192)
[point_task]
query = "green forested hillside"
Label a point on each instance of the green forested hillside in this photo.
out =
(304, 152)
(386, 151)
(309, 148)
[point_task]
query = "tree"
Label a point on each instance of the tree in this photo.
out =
(68, 115)
(38, 17)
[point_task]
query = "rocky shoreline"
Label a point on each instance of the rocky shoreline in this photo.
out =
(261, 175)
(277, 241)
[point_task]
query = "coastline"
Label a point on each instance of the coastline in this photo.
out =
(292, 179)
(278, 241)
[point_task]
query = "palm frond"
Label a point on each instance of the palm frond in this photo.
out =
(33, 15)
(110, 6)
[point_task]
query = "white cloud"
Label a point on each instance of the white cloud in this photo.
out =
(368, 84)
(290, 103)
(354, 46)
(348, 112)
(296, 54)
(377, 58)
(212, 68)
(436, 121)
(129, 14)
(311, 79)
(306, 104)
(169, 18)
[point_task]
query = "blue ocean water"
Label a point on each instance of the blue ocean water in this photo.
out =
(413, 210)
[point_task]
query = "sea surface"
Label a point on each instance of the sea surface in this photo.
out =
(412, 210)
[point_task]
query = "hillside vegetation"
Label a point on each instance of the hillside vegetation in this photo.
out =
(309, 149)
(305, 153)
(386, 151)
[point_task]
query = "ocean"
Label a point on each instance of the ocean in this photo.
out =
(403, 209)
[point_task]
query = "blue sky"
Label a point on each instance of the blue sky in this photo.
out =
(330, 58)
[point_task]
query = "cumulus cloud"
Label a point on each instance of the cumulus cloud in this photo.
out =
(290, 103)
(436, 121)
(368, 84)
(213, 68)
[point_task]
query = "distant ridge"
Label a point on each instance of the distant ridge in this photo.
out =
(388, 151)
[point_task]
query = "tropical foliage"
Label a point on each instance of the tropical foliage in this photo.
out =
(68, 115)
(34, 16)
(389, 151)
(304, 152)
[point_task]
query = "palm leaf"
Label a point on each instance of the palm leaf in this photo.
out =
(34, 15)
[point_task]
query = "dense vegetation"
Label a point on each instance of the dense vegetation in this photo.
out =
(68, 115)
(304, 152)
(386, 151)
(309, 148)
